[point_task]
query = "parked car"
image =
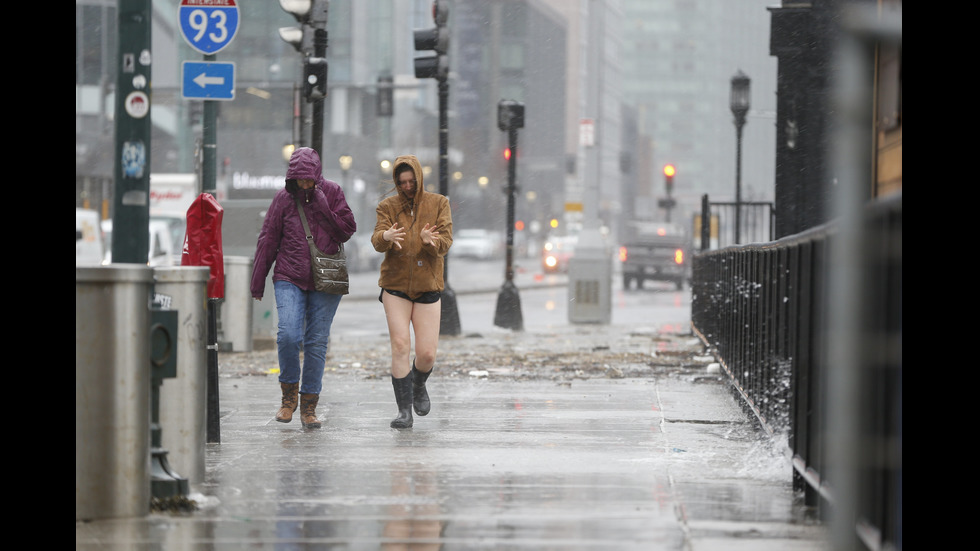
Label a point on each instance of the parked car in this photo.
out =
(477, 243)
(557, 251)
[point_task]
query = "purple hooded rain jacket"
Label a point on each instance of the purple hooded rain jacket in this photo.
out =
(282, 240)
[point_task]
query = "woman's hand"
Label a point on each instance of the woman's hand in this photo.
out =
(430, 235)
(394, 234)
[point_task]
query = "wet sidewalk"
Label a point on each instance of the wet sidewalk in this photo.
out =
(582, 438)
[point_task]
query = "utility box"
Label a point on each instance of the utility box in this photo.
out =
(112, 391)
(235, 314)
(590, 282)
(183, 398)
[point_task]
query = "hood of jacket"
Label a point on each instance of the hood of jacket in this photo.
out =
(304, 164)
(412, 161)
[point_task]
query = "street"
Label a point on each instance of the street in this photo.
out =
(649, 322)
(543, 300)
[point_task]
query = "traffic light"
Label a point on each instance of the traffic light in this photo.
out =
(386, 104)
(315, 78)
(510, 114)
(507, 154)
(669, 172)
(310, 40)
(437, 38)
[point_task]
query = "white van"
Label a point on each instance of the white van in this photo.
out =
(166, 234)
(89, 246)
(166, 239)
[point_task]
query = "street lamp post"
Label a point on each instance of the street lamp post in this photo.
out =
(510, 117)
(739, 102)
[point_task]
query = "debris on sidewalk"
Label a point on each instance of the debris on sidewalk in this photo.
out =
(574, 352)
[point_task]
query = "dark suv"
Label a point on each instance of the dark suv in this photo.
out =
(655, 251)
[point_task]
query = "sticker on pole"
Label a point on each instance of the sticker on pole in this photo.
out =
(137, 105)
(208, 25)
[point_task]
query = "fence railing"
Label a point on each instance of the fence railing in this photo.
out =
(757, 223)
(765, 310)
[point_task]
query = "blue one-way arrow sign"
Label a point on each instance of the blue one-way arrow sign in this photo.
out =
(208, 80)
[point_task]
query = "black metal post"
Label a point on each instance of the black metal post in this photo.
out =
(209, 185)
(214, 413)
(450, 314)
(738, 181)
(705, 223)
(511, 191)
(319, 50)
(739, 102)
(508, 313)
(131, 207)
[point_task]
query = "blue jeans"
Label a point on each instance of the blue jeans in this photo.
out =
(305, 318)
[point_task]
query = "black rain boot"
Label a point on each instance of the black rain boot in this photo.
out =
(403, 396)
(422, 403)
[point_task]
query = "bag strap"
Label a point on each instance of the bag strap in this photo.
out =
(306, 227)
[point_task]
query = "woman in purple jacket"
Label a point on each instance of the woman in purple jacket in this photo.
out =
(305, 314)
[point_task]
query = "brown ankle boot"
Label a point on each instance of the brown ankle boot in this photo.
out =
(290, 397)
(307, 410)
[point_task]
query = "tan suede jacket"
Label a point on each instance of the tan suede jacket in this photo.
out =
(415, 268)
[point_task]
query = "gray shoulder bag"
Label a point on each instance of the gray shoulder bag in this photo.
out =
(329, 270)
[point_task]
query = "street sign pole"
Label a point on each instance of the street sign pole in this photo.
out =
(209, 144)
(131, 203)
(209, 26)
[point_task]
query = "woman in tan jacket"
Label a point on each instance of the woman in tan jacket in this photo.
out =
(414, 230)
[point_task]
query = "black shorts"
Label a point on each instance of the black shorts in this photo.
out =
(426, 298)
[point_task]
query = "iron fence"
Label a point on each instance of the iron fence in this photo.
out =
(765, 310)
(757, 223)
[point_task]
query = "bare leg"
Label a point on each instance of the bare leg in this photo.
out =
(425, 321)
(398, 312)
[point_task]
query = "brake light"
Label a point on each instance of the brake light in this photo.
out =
(679, 256)
(622, 254)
